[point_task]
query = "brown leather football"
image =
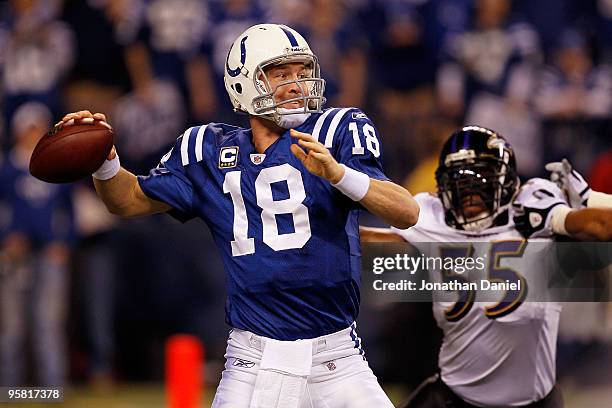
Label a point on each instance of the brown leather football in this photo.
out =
(70, 153)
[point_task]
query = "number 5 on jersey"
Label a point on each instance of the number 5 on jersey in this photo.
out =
(242, 244)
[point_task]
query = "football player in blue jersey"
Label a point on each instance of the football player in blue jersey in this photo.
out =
(282, 200)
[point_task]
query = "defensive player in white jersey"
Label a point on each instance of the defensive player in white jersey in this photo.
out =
(282, 201)
(502, 352)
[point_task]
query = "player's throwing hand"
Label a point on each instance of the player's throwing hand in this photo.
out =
(316, 158)
(71, 118)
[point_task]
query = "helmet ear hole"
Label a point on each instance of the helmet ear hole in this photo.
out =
(237, 87)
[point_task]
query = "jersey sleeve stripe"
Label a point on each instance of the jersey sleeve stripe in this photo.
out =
(329, 138)
(198, 147)
(320, 121)
(185, 147)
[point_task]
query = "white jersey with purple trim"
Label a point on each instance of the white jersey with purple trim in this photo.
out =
(498, 352)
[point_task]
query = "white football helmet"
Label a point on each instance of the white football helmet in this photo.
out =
(265, 45)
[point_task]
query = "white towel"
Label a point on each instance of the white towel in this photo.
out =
(284, 370)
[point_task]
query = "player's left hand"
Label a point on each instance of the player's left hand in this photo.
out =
(315, 157)
(571, 182)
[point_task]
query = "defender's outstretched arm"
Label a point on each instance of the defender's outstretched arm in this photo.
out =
(590, 224)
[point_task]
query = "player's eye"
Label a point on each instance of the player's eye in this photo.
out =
(305, 73)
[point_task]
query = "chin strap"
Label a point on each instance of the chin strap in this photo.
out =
(291, 118)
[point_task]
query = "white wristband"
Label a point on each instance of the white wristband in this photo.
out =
(354, 184)
(557, 222)
(599, 200)
(108, 169)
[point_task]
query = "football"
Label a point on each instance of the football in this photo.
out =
(70, 153)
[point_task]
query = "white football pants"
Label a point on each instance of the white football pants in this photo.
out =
(340, 376)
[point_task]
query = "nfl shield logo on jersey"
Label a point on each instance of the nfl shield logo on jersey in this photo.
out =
(257, 158)
(228, 157)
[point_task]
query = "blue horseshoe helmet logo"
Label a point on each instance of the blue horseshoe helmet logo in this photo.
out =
(235, 72)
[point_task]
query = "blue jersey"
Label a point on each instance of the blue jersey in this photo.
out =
(289, 240)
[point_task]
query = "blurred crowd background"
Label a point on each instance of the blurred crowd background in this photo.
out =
(86, 297)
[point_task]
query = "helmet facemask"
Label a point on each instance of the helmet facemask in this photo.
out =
(486, 183)
(312, 88)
